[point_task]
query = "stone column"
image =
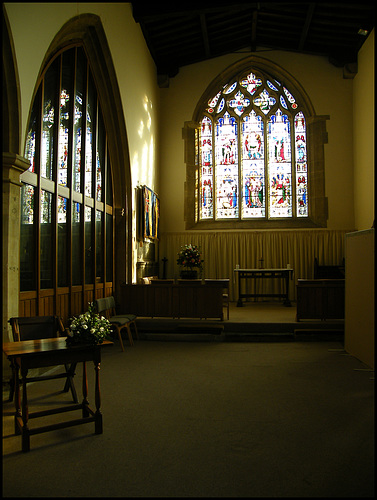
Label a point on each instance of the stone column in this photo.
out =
(13, 166)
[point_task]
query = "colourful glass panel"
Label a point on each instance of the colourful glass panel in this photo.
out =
(264, 101)
(239, 103)
(196, 180)
(206, 178)
(30, 149)
(48, 120)
(100, 156)
(302, 209)
(283, 103)
(64, 119)
(279, 163)
(253, 172)
(46, 207)
(226, 150)
(62, 210)
(212, 103)
(220, 107)
(272, 86)
(230, 88)
(81, 70)
(290, 98)
(269, 173)
(27, 204)
(251, 83)
(90, 124)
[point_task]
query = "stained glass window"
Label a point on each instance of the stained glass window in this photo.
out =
(66, 145)
(49, 117)
(81, 73)
(253, 150)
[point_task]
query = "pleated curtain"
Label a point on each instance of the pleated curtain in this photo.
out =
(223, 251)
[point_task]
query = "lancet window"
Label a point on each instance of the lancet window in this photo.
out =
(66, 198)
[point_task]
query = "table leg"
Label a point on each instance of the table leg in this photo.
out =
(17, 397)
(85, 402)
(287, 302)
(239, 301)
(25, 413)
(98, 414)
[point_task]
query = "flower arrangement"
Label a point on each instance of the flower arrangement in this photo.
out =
(189, 256)
(89, 328)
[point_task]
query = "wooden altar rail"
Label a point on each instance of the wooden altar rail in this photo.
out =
(173, 300)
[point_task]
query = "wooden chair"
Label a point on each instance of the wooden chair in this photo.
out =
(106, 306)
(225, 287)
(41, 327)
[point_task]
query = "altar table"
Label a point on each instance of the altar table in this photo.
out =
(283, 273)
(52, 352)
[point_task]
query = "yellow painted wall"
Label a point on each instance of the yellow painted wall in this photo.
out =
(330, 94)
(33, 27)
(364, 138)
(359, 323)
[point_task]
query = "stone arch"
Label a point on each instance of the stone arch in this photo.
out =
(316, 127)
(88, 30)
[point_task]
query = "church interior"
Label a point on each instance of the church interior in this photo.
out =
(211, 167)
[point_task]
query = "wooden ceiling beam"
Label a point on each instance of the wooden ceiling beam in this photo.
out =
(203, 25)
(305, 29)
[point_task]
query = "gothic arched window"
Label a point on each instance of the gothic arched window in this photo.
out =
(252, 155)
(66, 243)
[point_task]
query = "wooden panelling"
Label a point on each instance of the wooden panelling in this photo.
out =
(28, 304)
(66, 304)
(320, 299)
(176, 301)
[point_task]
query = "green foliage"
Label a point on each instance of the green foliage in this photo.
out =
(89, 328)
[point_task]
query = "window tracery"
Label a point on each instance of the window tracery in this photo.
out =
(257, 148)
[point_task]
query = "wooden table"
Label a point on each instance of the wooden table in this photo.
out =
(283, 273)
(52, 352)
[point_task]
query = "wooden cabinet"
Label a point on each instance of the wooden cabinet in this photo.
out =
(320, 299)
(173, 301)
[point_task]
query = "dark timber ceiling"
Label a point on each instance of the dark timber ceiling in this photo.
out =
(181, 33)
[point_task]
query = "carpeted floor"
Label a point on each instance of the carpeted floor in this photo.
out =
(207, 419)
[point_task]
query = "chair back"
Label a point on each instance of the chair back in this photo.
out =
(106, 305)
(36, 327)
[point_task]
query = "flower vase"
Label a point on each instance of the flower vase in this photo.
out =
(189, 274)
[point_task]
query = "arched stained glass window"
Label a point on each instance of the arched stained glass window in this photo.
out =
(252, 152)
(67, 201)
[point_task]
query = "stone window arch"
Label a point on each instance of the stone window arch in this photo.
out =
(255, 152)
